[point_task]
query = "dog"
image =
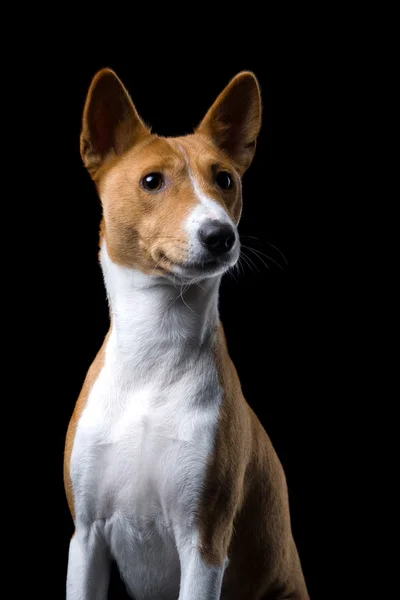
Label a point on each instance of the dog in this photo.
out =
(167, 470)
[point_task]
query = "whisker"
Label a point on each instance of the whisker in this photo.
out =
(183, 300)
(274, 261)
(153, 270)
(240, 268)
(255, 265)
(249, 262)
(250, 237)
(176, 297)
(256, 254)
(197, 282)
(232, 274)
(281, 253)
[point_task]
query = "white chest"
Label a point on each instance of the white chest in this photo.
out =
(142, 444)
(145, 435)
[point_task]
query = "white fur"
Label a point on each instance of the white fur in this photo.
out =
(206, 208)
(139, 456)
(210, 209)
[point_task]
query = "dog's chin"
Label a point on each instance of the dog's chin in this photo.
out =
(192, 271)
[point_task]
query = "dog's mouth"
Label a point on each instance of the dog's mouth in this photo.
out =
(192, 270)
(195, 270)
(202, 265)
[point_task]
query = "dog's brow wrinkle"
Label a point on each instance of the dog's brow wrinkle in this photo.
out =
(183, 152)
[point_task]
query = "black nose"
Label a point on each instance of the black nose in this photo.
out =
(217, 237)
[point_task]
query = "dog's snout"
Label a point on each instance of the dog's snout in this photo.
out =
(217, 237)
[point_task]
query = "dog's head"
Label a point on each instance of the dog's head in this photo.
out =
(170, 205)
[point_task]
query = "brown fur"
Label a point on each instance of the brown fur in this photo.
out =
(110, 123)
(244, 511)
(234, 120)
(142, 229)
(90, 378)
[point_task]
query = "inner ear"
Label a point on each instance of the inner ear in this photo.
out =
(110, 123)
(233, 122)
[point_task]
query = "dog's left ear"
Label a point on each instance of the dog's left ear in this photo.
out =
(234, 120)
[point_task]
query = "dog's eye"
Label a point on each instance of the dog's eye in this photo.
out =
(224, 180)
(153, 182)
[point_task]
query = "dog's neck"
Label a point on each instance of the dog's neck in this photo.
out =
(153, 320)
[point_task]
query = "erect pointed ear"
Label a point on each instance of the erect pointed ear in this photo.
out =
(234, 120)
(110, 123)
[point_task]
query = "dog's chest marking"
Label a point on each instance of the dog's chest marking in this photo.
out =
(145, 436)
(146, 441)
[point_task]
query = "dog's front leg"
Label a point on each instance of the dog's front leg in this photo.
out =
(199, 580)
(88, 566)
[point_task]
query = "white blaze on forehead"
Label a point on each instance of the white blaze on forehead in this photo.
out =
(207, 208)
(210, 208)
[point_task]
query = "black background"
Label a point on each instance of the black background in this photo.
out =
(271, 312)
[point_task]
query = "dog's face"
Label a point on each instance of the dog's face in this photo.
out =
(170, 205)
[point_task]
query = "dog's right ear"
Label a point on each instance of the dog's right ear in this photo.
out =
(110, 124)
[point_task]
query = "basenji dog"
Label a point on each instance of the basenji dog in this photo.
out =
(167, 469)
